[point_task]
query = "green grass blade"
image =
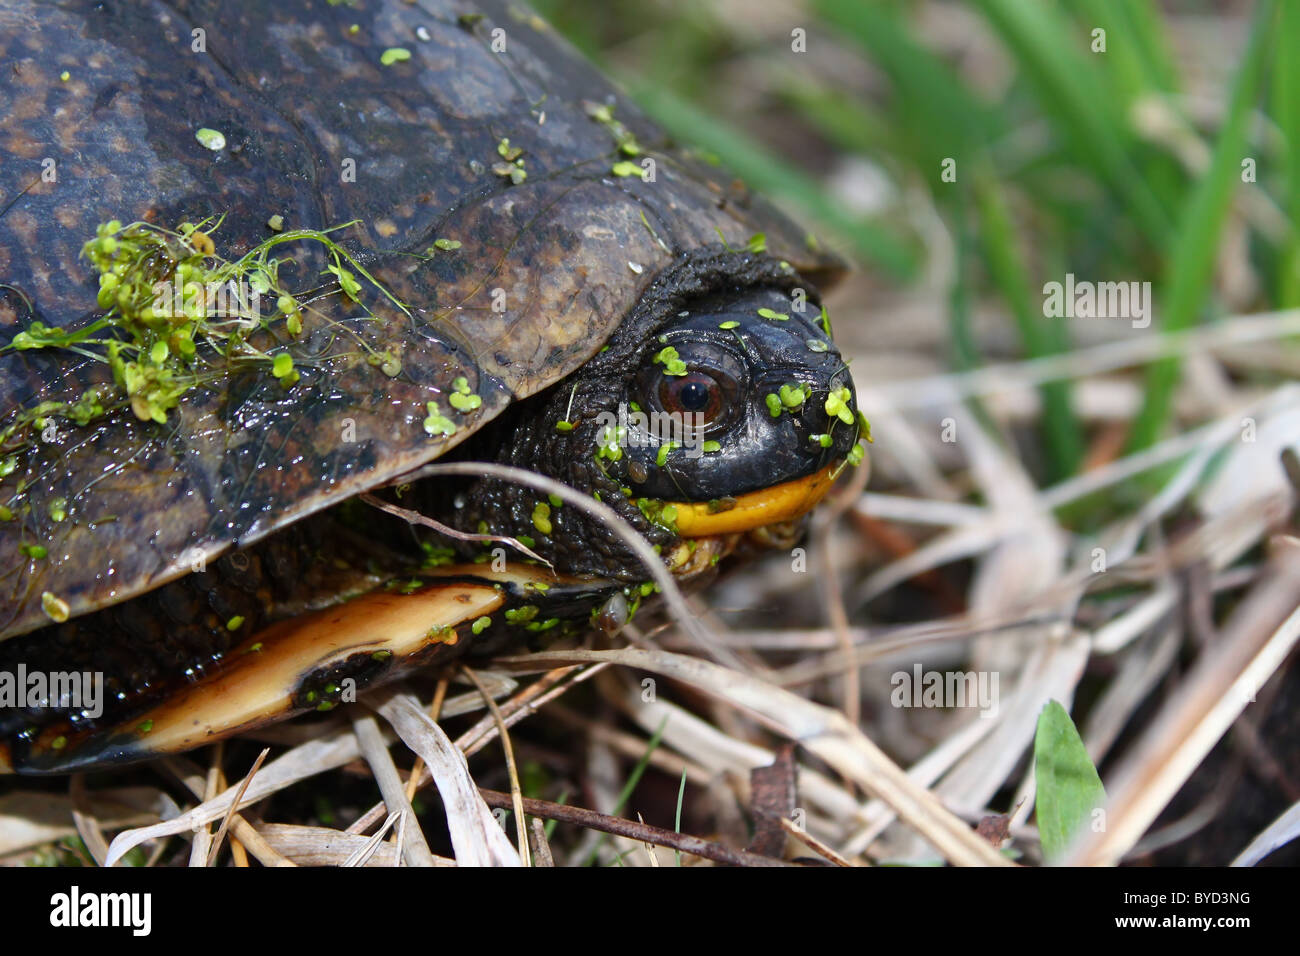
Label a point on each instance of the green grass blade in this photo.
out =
(552, 824)
(1134, 42)
(943, 117)
(965, 351)
(1148, 28)
(1063, 436)
(769, 174)
(1078, 99)
(851, 125)
(1122, 58)
(1196, 242)
(1286, 113)
(629, 788)
(677, 817)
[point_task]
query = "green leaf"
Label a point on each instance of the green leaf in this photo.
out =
(464, 403)
(1069, 789)
(542, 517)
(864, 426)
(522, 615)
(211, 138)
(55, 607)
(666, 449)
(837, 405)
(672, 362)
(436, 423)
(792, 396)
(347, 281)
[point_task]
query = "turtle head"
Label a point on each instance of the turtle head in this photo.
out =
(719, 408)
(739, 416)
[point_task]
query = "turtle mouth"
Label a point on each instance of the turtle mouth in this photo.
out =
(775, 505)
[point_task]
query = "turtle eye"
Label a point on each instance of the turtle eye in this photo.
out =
(695, 393)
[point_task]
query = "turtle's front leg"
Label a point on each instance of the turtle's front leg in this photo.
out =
(316, 661)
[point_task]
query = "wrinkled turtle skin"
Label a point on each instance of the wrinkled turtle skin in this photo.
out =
(232, 499)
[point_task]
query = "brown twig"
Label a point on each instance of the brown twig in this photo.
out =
(814, 844)
(414, 517)
(643, 832)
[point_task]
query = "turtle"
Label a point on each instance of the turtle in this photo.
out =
(262, 265)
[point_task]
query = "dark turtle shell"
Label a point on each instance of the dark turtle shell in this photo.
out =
(100, 108)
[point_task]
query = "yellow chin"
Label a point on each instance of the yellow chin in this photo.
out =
(755, 509)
